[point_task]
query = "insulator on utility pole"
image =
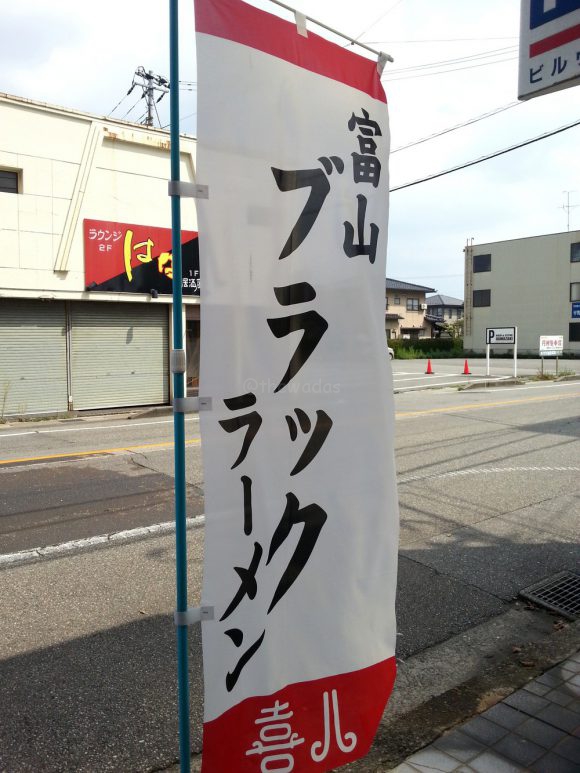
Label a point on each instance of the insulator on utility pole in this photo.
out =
(150, 83)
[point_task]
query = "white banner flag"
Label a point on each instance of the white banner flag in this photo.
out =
(300, 494)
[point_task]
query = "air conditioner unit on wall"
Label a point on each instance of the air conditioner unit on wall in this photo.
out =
(423, 307)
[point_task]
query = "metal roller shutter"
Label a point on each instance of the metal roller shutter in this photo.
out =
(32, 357)
(119, 355)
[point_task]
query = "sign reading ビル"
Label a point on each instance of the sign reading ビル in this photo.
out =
(549, 46)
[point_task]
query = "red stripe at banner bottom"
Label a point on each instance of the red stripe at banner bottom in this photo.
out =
(308, 726)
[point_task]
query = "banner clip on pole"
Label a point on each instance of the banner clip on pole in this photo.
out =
(382, 60)
(177, 361)
(191, 404)
(193, 615)
(185, 404)
(187, 190)
(301, 24)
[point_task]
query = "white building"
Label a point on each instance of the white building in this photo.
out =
(531, 283)
(85, 261)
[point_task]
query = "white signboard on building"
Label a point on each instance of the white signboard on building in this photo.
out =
(500, 335)
(549, 46)
(551, 346)
(301, 529)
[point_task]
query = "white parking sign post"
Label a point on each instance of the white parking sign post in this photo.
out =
(501, 336)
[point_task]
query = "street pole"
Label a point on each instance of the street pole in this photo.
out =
(178, 367)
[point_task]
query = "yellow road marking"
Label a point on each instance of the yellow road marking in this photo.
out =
(476, 406)
(74, 454)
(196, 441)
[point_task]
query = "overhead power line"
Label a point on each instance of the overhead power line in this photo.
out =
(442, 72)
(436, 40)
(494, 52)
(381, 17)
(457, 126)
(118, 104)
(132, 108)
(487, 157)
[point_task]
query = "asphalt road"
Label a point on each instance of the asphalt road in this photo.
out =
(410, 375)
(73, 479)
(489, 491)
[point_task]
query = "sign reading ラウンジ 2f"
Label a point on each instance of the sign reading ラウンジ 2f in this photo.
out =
(549, 46)
(129, 258)
(300, 488)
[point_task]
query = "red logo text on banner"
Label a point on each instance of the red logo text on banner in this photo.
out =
(304, 727)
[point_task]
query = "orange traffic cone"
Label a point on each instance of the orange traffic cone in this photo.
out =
(466, 371)
(429, 371)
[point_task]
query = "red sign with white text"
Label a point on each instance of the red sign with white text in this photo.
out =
(316, 725)
(129, 258)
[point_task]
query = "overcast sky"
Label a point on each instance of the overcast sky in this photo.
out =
(83, 56)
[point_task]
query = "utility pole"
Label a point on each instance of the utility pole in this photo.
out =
(150, 83)
(568, 206)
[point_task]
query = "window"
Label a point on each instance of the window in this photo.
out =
(8, 181)
(412, 304)
(482, 298)
(575, 252)
(574, 332)
(575, 291)
(481, 263)
(396, 301)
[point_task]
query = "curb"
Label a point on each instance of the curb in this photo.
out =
(508, 381)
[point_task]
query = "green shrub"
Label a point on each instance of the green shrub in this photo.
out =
(423, 348)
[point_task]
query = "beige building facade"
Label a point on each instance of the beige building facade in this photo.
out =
(85, 261)
(405, 310)
(531, 283)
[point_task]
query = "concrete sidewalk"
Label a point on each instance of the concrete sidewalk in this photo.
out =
(87, 662)
(536, 728)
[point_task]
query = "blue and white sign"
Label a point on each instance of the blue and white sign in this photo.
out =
(549, 46)
(576, 310)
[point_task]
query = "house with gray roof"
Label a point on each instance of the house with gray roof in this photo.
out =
(442, 310)
(405, 309)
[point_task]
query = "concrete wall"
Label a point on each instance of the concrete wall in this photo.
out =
(75, 166)
(530, 288)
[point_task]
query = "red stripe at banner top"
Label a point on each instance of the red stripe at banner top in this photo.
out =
(242, 23)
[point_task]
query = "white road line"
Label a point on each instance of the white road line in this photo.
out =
(90, 428)
(33, 554)
(483, 471)
(423, 375)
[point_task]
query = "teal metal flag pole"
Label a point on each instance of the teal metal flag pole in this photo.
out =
(178, 368)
